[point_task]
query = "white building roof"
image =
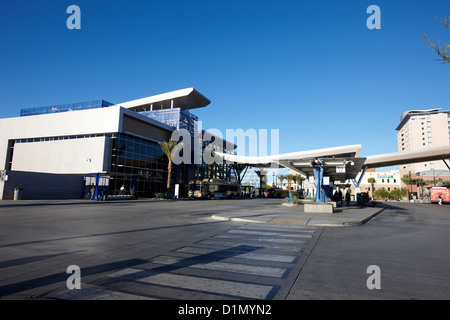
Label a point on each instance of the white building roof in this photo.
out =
(406, 115)
(185, 99)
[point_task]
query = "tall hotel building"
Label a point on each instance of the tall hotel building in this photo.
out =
(421, 129)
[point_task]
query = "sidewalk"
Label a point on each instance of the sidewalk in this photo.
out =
(352, 215)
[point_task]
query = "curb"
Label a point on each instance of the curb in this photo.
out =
(337, 224)
(366, 219)
(216, 217)
(349, 223)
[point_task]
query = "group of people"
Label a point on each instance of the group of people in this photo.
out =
(339, 198)
(101, 193)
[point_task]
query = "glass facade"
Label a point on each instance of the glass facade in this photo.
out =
(222, 171)
(65, 107)
(137, 162)
(180, 119)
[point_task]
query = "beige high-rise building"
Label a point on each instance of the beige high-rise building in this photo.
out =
(421, 129)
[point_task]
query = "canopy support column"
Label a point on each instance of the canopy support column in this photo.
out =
(321, 195)
(97, 180)
(357, 183)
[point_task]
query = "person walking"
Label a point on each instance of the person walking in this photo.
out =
(440, 199)
(92, 192)
(347, 198)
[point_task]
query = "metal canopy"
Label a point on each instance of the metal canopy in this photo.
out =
(337, 168)
(406, 157)
(302, 162)
(339, 163)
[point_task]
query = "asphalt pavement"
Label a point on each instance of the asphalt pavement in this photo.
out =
(138, 249)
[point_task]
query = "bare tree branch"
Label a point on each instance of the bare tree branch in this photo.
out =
(445, 22)
(442, 50)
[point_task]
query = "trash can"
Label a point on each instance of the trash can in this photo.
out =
(18, 193)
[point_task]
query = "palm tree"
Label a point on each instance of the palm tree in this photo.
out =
(372, 181)
(298, 179)
(260, 173)
(290, 178)
(281, 177)
(295, 179)
(168, 148)
(406, 180)
(212, 168)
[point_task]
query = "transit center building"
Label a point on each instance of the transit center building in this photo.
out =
(62, 151)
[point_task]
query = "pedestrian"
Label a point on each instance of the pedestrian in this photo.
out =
(133, 192)
(347, 198)
(122, 189)
(92, 192)
(440, 199)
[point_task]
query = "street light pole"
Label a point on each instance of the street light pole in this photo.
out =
(421, 186)
(410, 185)
(434, 179)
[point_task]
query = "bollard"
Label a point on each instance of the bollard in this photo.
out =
(18, 193)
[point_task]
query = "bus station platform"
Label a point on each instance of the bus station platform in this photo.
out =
(352, 215)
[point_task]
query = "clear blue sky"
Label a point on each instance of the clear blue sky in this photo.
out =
(309, 68)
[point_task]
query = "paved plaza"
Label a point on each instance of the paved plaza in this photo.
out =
(243, 249)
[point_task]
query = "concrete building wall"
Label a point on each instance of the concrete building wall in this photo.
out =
(74, 156)
(142, 128)
(83, 122)
(71, 142)
(41, 185)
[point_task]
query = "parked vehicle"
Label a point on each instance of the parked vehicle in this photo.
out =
(443, 191)
(277, 193)
(213, 188)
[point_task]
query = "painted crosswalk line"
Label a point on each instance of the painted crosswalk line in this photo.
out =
(245, 261)
(225, 287)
